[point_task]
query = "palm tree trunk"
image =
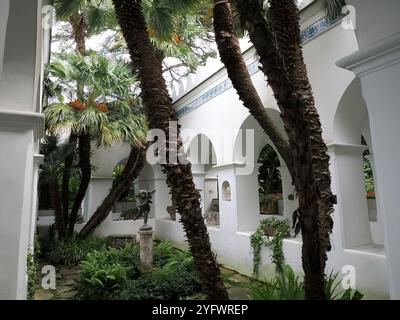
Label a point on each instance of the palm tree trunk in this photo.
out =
(69, 160)
(84, 147)
(57, 206)
(285, 23)
(231, 56)
(77, 22)
(302, 127)
(158, 107)
(134, 165)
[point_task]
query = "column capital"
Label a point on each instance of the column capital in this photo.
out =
(20, 119)
(234, 165)
(101, 178)
(378, 56)
(38, 159)
(199, 174)
(346, 147)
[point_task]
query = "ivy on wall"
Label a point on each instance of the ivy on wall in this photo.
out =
(270, 234)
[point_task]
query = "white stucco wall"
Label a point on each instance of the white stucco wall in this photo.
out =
(211, 107)
(22, 53)
(4, 11)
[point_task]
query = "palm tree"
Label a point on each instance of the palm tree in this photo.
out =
(231, 56)
(276, 37)
(103, 111)
(85, 17)
(158, 107)
(189, 46)
(54, 153)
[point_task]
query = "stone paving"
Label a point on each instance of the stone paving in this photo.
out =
(67, 277)
(66, 281)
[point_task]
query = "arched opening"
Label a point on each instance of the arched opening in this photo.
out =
(127, 201)
(270, 182)
(123, 208)
(254, 147)
(360, 223)
(201, 154)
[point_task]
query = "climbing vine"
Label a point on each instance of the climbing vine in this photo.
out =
(270, 233)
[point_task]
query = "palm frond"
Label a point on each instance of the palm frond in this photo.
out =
(333, 8)
(66, 8)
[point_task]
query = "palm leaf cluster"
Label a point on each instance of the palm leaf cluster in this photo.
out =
(94, 95)
(98, 14)
(333, 8)
(179, 29)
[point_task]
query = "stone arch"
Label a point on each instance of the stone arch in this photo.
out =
(260, 138)
(351, 123)
(202, 155)
(249, 142)
(104, 160)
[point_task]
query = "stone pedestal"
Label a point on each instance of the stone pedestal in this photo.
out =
(146, 248)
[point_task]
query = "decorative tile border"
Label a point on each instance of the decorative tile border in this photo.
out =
(305, 35)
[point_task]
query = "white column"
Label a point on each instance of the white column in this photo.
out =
(245, 203)
(98, 189)
(16, 175)
(227, 208)
(161, 199)
(198, 179)
(350, 190)
(378, 67)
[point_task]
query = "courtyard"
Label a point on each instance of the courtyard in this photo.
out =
(199, 150)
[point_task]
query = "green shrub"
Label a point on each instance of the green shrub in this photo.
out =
(176, 279)
(104, 273)
(286, 286)
(71, 251)
(32, 264)
(162, 253)
(113, 273)
(332, 293)
(32, 271)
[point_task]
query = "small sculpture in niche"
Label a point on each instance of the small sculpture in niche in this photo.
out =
(226, 187)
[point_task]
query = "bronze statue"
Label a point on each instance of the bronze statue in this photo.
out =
(143, 209)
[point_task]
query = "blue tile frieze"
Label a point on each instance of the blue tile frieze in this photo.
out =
(305, 35)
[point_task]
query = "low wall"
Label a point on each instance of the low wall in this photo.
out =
(233, 250)
(123, 227)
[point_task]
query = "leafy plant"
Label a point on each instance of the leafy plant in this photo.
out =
(163, 252)
(32, 264)
(102, 275)
(259, 239)
(71, 251)
(286, 286)
(113, 273)
(289, 286)
(331, 289)
(368, 176)
(175, 279)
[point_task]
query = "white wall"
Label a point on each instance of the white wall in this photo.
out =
(4, 10)
(21, 60)
(221, 117)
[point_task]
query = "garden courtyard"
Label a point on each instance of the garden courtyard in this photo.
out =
(199, 150)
